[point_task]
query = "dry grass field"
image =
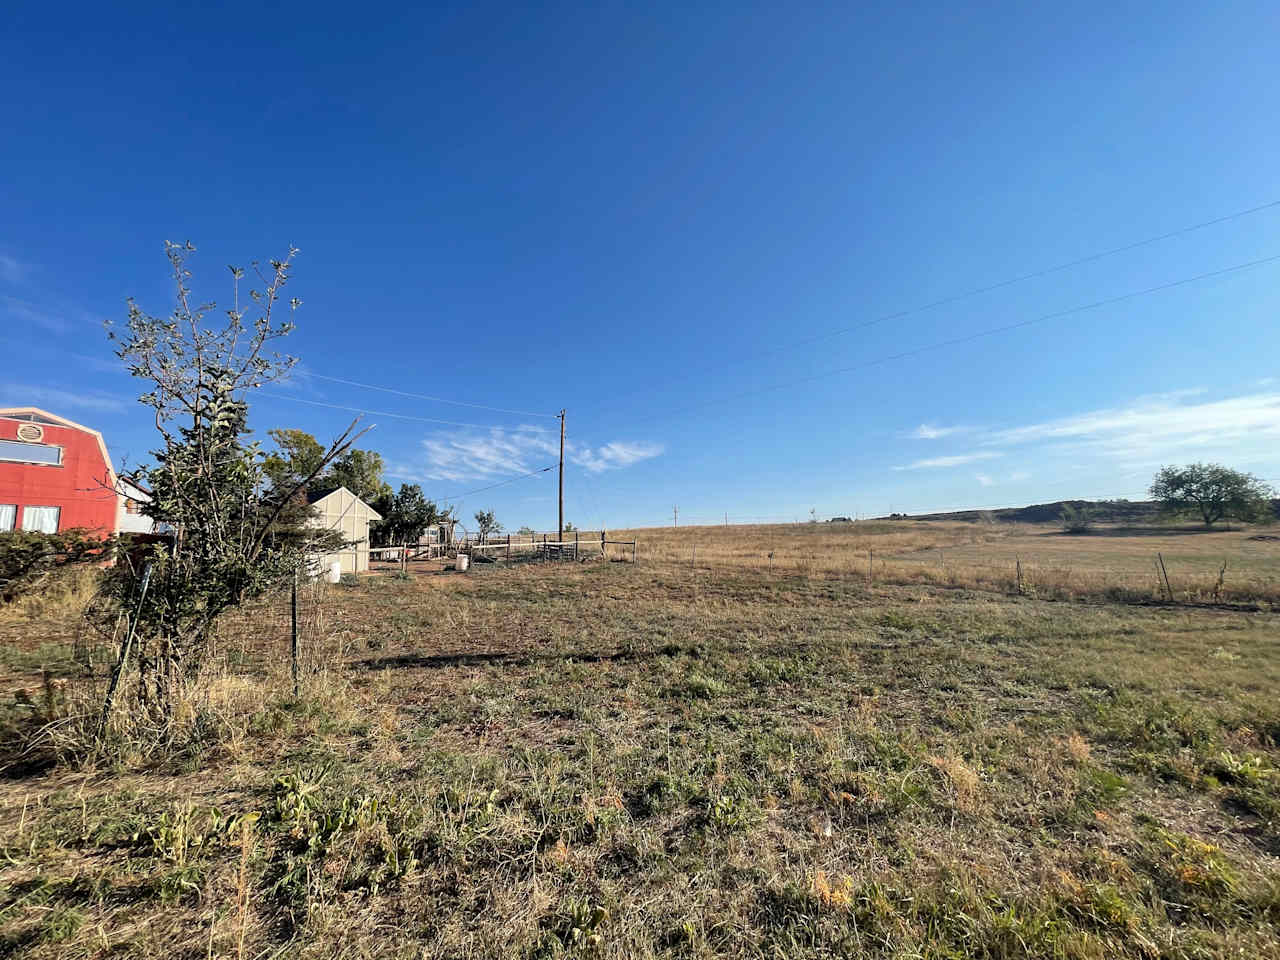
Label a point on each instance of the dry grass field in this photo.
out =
(680, 759)
(1110, 561)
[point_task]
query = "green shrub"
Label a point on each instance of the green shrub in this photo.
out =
(28, 559)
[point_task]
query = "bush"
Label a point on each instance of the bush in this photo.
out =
(1076, 518)
(28, 559)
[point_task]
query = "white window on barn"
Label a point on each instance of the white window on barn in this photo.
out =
(15, 452)
(40, 519)
(132, 507)
(8, 516)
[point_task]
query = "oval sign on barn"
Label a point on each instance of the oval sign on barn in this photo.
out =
(30, 432)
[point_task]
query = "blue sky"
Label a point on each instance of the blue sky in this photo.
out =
(654, 216)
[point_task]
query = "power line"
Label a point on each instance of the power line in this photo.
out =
(999, 285)
(398, 416)
(954, 341)
(423, 396)
(1035, 275)
(503, 483)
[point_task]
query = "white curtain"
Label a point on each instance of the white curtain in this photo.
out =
(40, 519)
(8, 514)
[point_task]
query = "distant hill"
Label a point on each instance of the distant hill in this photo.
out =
(1101, 511)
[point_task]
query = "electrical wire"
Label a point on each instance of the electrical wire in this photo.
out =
(503, 483)
(423, 396)
(991, 287)
(399, 416)
(1035, 275)
(897, 315)
(955, 341)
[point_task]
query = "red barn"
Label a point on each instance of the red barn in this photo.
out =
(54, 474)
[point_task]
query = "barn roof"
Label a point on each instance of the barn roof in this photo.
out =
(36, 415)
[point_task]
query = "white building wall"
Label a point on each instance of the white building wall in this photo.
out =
(127, 522)
(350, 516)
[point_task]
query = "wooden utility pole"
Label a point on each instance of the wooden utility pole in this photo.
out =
(675, 516)
(560, 534)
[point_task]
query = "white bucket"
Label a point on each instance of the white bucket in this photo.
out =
(463, 562)
(335, 572)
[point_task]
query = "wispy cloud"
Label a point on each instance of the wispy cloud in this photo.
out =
(468, 455)
(100, 364)
(14, 394)
(12, 270)
(1147, 431)
(987, 480)
(613, 456)
(1159, 426)
(53, 317)
(935, 463)
(927, 431)
(33, 315)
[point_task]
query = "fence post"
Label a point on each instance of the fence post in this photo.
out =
(633, 551)
(1019, 562)
(544, 547)
(1168, 591)
(508, 548)
(575, 546)
(602, 551)
(124, 656)
(871, 559)
(293, 618)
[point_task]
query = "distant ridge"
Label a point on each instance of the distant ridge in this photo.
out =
(1100, 511)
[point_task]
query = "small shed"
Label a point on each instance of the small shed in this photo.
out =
(343, 511)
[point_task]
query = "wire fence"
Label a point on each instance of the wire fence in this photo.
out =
(284, 639)
(1159, 575)
(521, 547)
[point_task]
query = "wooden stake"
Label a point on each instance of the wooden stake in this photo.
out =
(1168, 591)
(293, 618)
(124, 656)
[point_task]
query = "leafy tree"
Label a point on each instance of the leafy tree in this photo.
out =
(526, 531)
(361, 472)
(569, 527)
(407, 515)
(232, 541)
(28, 559)
(298, 454)
(1213, 492)
(487, 523)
